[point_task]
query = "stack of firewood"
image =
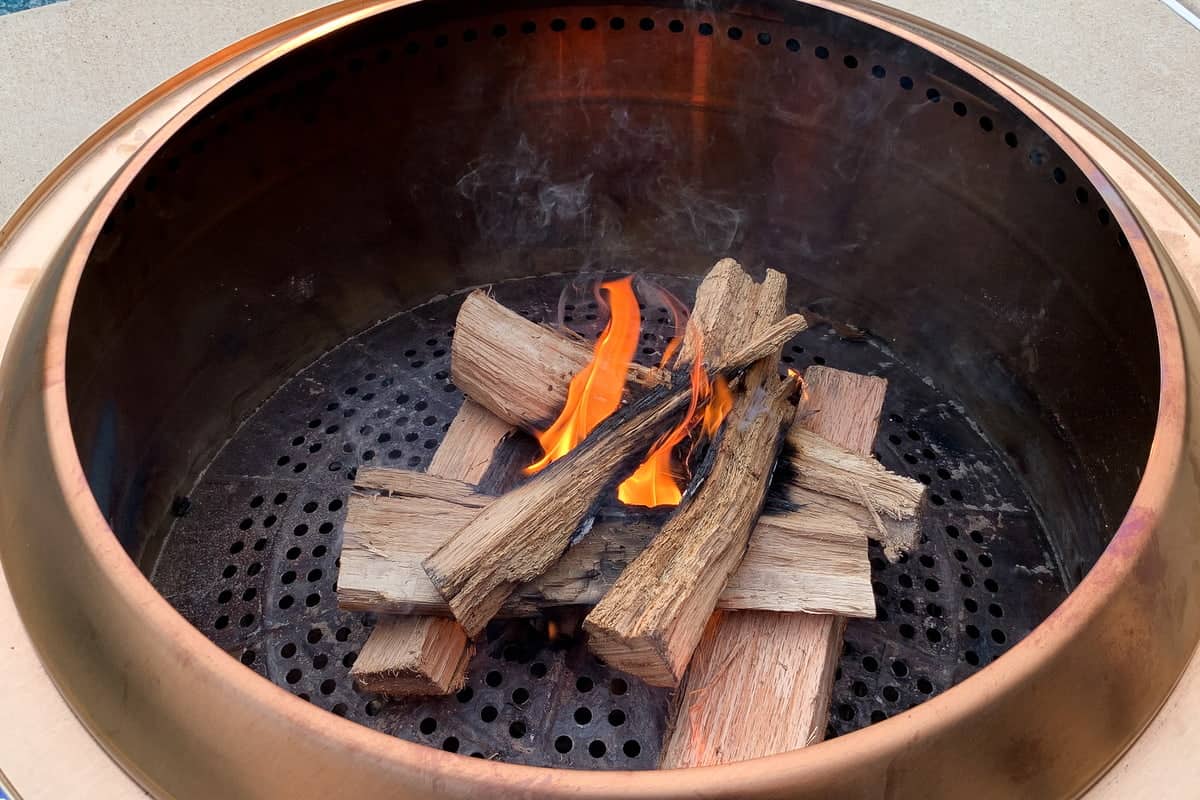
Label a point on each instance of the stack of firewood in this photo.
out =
(749, 579)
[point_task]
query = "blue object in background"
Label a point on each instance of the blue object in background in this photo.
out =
(8, 7)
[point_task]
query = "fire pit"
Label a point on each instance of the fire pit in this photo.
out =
(266, 305)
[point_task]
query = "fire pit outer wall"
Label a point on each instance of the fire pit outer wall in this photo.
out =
(391, 159)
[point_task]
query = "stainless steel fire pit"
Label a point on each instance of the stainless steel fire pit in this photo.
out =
(262, 301)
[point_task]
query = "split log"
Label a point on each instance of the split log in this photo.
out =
(752, 665)
(649, 623)
(726, 299)
(808, 557)
(521, 369)
(804, 555)
(651, 620)
(517, 537)
(823, 467)
(414, 656)
(892, 500)
(422, 654)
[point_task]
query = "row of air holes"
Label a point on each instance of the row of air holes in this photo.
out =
(928, 454)
(230, 570)
(850, 61)
(899, 668)
(675, 26)
(798, 350)
(520, 697)
(319, 662)
(997, 635)
(384, 439)
(878, 564)
(301, 529)
(994, 609)
(932, 586)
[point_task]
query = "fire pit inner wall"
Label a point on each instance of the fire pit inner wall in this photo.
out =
(444, 146)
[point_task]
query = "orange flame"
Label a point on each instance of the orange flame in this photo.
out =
(596, 391)
(803, 384)
(718, 407)
(656, 481)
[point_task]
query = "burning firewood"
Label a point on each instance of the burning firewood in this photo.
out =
(498, 367)
(649, 623)
(807, 552)
(489, 340)
(517, 537)
(808, 555)
(753, 665)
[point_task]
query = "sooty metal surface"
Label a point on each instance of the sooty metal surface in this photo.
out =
(251, 555)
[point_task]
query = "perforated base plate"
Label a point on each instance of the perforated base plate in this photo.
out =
(251, 558)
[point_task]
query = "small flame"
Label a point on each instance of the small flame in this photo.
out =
(596, 391)
(803, 384)
(718, 407)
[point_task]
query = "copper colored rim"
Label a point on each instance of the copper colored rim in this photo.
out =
(1132, 546)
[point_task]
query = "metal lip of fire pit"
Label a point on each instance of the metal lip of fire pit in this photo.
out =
(170, 705)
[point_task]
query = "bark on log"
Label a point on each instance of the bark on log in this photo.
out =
(649, 623)
(520, 535)
(520, 370)
(753, 665)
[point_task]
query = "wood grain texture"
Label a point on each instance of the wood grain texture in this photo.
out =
(730, 307)
(821, 466)
(517, 369)
(650, 621)
(414, 656)
(856, 433)
(755, 688)
(843, 407)
(804, 557)
(753, 666)
(469, 445)
(384, 541)
(810, 558)
(419, 654)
